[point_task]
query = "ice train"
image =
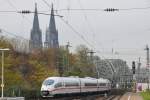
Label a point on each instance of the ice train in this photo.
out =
(53, 86)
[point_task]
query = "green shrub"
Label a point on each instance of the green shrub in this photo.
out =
(145, 95)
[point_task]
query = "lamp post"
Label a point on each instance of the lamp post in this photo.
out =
(2, 77)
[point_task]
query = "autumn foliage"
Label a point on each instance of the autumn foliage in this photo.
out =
(26, 71)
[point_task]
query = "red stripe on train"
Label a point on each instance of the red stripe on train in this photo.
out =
(74, 88)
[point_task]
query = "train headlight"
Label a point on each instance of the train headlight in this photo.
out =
(42, 89)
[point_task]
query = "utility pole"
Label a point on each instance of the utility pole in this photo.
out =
(67, 55)
(91, 58)
(134, 78)
(60, 64)
(147, 65)
(138, 69)
(97, 60)
(91, 55)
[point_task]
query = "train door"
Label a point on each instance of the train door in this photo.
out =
(80, 85)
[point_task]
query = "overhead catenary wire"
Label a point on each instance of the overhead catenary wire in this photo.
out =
(2, 30)
(104, 9)
(144, 8)
(100, 9)
(4, 11)
(47, 3)
(76, 32)
(73, 29)
(13, 34)
(10, 3)
(97, 51)
(81, 36)
(88, 22)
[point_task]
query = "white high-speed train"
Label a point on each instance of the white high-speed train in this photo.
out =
(53, 86)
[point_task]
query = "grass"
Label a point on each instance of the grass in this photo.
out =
(145, 95)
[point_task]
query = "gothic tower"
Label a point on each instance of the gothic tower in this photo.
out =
(36, 34)
(51, 40)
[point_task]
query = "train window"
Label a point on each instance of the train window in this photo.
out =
(58, 85)
(67, 84)
(102, 84)
(90, 84)
(48, 82)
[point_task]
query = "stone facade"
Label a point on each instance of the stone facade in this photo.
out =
(36, 33)
(51, 40)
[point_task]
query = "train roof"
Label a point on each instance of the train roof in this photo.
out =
(86, 78)
(105, 80)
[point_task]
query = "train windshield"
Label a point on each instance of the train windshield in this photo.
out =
(48, 82)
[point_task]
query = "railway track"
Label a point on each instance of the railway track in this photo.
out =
(90, 97)
(83, 97)
(113, 95)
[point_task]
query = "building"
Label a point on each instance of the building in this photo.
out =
(51, 39)
(142, 75)
(142, 79)
(36, 33)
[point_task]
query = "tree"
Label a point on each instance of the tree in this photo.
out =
(83, 61)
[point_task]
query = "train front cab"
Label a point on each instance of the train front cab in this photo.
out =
(46, 88)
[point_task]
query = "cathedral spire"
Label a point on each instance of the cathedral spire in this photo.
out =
(51, 40)
(36, 33)
(52, 25)
(36, 20)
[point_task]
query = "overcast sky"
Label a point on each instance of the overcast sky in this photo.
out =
(127, 31)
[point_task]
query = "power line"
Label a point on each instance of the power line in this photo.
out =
(28, 12)
(81, 36)
(144, 8)
(17, 10)
(107, 9)
(4, 11)
(10, 33)
(75, 31)
(81, 9)
(46, 3)
(88, 22)
(19, 43)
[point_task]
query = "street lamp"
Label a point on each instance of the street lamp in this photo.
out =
(2, 77)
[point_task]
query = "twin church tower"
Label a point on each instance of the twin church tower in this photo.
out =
(51, 38)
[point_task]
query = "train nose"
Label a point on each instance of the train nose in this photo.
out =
(45, 93)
